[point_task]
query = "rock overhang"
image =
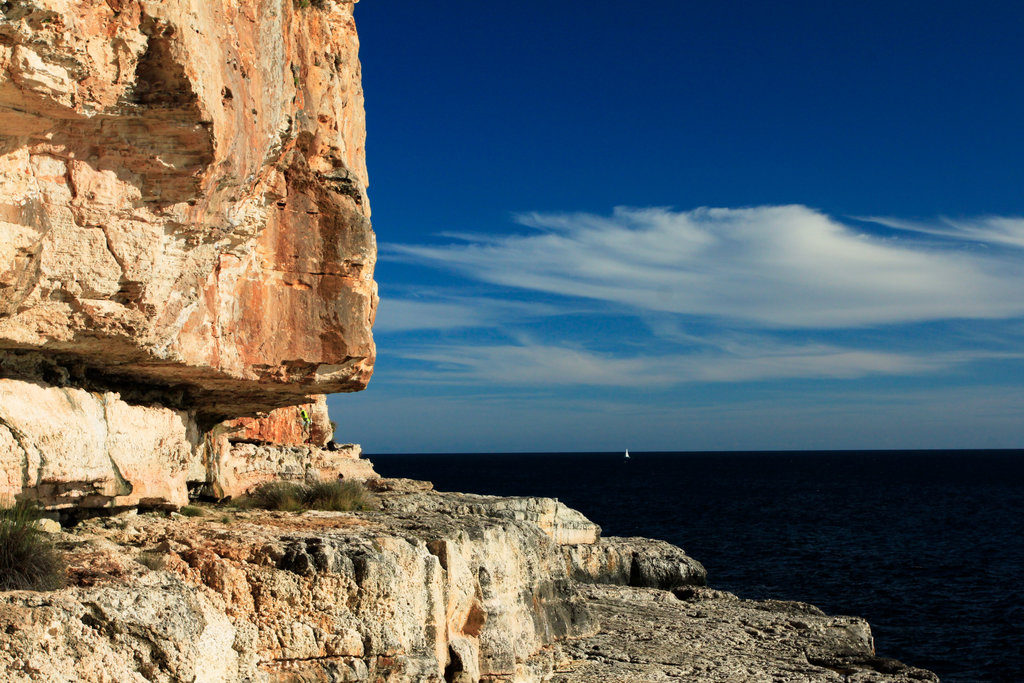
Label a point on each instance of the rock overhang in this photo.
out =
(184, 214)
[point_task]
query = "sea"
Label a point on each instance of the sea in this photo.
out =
(928, 546)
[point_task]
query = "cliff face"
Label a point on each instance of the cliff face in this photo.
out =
(184, 238)
(182, 197)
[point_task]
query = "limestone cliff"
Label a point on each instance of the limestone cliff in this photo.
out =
(184, 238)
(182, 190)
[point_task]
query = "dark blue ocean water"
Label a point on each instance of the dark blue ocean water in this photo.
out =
(927, 545)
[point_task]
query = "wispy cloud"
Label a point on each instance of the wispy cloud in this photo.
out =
(996, 230)
(547, 365)
(773, 266)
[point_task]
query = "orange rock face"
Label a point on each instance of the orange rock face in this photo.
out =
(183, 201)
(286, 426)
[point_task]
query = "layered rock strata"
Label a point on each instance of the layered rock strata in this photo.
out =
(431, 587)
(247, 465)
(68, 447)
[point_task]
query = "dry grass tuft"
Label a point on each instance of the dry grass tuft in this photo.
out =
(343, 496)
(28, 558)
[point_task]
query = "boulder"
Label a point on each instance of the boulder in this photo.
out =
(642, 562)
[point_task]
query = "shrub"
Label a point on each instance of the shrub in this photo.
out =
(191, 511)
(275, 495)
(344, 496)
(338, 495)
(28, 559)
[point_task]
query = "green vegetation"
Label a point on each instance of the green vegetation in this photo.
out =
(28, 559)
(192, 511)
(344, 496)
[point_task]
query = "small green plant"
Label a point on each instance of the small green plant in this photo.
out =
(28, 559)
(191, 511)
(344, 496)
(225, 520)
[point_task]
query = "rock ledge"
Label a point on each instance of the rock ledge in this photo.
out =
(431, 587)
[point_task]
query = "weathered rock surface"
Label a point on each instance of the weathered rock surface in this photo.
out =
(432, 587)
(248, 465)
(183, 216)
(285, 426)
(642, 562)
(66, 447)
(427, 594)
(707, 635)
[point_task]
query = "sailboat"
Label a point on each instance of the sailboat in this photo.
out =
(627, 454)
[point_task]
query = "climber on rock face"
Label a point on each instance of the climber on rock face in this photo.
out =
(307, 425)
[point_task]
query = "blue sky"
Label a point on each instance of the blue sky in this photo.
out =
(694, 226)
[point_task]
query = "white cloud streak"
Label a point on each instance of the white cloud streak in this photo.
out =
(773, 266)
(992, 230)
(528, 364)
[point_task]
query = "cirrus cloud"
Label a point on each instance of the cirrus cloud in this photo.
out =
(769, 266)
(545, 365)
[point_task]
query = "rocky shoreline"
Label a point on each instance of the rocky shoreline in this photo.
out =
(430, 587)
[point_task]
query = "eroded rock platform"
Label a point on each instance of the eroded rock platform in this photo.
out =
(702, 634)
